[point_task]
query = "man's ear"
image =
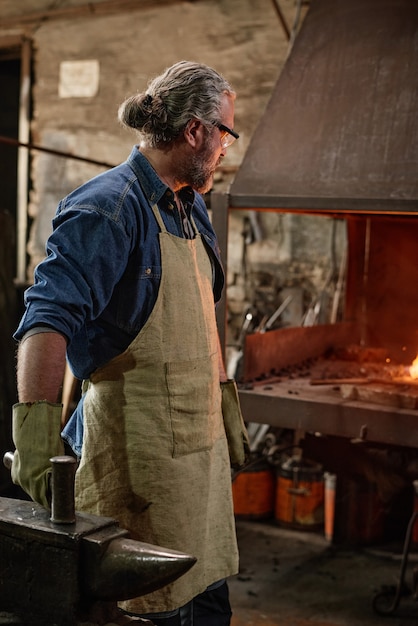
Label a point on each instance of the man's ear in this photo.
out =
(194, 133)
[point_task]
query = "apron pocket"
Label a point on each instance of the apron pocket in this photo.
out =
(194, 398)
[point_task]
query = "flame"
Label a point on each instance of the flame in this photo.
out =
(413, 370)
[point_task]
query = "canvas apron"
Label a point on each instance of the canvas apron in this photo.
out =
(155, 456)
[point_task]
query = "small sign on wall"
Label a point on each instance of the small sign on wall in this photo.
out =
(78, 79)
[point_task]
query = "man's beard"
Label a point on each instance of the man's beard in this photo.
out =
(198, 171)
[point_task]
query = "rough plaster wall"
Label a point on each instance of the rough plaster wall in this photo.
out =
(243, 39)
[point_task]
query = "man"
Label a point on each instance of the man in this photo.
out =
(127, 294)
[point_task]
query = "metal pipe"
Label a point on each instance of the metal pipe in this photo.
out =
(67, 155)
(282, 19)
(62, 487)
(8, 459)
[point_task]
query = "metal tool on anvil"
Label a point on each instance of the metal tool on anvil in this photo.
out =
(58, 568)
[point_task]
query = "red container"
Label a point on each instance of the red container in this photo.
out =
(253, 492)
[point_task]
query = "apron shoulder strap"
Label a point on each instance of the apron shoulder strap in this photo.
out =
(158, 217)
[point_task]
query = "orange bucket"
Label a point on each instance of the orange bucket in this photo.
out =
(253, 492)
(300, 495)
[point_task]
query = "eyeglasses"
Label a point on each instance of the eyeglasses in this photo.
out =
(228, 136)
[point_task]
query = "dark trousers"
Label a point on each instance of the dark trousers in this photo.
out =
(210, 608)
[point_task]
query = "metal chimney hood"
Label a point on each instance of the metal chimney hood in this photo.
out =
(340, 133)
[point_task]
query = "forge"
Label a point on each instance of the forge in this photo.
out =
(339, 139)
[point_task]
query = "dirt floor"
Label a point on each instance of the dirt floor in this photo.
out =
(293, 578)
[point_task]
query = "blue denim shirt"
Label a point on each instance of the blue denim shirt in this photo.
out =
(99, 281)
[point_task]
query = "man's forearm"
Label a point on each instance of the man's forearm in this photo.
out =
(41, 367)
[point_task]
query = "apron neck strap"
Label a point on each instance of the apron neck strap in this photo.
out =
(158, 217)
(160, 220)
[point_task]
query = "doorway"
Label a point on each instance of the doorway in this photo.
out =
(12, 62)
(10, 68)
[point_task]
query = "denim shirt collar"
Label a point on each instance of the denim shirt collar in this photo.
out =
(152, 185)
(154, 189)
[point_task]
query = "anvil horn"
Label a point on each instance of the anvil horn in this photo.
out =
(128, 568)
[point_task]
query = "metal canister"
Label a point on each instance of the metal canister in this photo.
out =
(300, 494)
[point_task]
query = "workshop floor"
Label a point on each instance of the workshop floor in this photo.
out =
(293, 578)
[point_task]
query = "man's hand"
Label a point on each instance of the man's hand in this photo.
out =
(37, 437)
(37, 417)
(235, 429)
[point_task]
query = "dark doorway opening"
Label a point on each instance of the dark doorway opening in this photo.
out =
(9, 127)
(10, 81)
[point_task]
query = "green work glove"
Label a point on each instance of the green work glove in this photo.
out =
(37, 437)
(236, 432)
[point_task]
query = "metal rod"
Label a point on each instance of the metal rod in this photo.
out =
(8, 460)
(282, 19)
(67, 155)
(62, 487)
